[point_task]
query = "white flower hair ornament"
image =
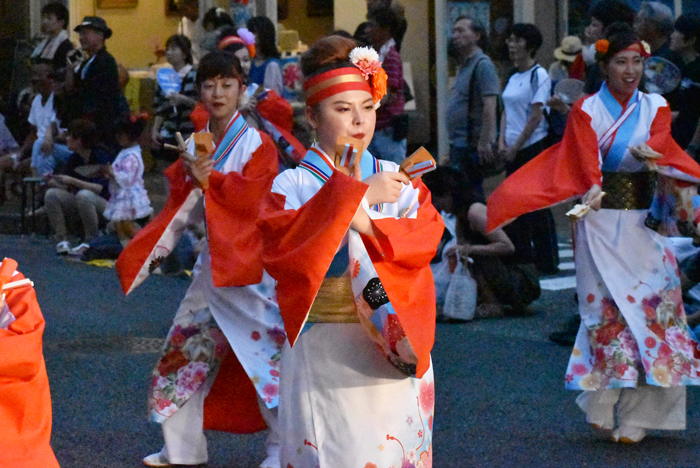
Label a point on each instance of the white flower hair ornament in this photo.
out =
(367, 61)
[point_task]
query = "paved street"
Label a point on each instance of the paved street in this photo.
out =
(499, 383)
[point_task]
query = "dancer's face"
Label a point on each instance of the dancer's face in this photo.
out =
(220, 96)
(346, 114)
(623, 72)
(243, 56)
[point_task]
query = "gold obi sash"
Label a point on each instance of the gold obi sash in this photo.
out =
(628, 190)
(334, 302)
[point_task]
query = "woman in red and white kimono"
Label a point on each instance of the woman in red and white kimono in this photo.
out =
(634, 352)
(351, 255)
(198, 383)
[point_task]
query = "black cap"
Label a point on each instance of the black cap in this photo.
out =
(96, 23)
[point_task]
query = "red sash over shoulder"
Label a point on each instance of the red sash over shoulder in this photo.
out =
(569, 168)
(300, 246)
(232, 201)
(401, 252)
(25, 401)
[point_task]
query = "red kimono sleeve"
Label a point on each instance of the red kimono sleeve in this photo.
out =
(563, 171)
(232, 205)
(132, 259)
(299, 245)
(661, 141)
(25, 400)
(401, 252)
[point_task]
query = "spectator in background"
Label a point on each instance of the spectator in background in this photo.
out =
(95, 94)
(128, 202)
(8, 154)
(685, 41)
(266, 69)
(390, 132)
(75, 202)
(565, 54)
(471, 111)
(241, 43)
(654, 24)
(603, 14)
(505, 285)
(56, 45)
(7, 141)
(172, 113)
(524, 136)
(401, 25)
(360, 35)
(45, 152)
(214, 21)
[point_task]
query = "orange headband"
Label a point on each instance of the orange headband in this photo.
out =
(639, 47)
(602, 46)
(228, 40)
(319, 87)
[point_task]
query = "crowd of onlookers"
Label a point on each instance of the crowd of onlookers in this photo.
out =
(499, 123)
(72, 127)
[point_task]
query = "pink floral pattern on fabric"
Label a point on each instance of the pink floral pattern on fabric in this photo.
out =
(190, 354)
(128, 197)
(422, 455)
(268, 384)
(668, 354)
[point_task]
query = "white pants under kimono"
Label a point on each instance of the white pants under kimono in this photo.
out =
(241, 313)
(647, 406)
(183, 433)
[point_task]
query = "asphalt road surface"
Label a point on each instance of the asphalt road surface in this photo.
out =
(500, 383)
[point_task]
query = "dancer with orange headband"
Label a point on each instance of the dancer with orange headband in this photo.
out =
(634, 352)
(351, 255)
(220, 363)
(263, 108)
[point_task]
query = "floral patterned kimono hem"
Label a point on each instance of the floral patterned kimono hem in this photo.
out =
(632, 316)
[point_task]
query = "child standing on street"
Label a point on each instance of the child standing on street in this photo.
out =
(128, 198)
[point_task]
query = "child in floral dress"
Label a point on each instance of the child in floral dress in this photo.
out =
(128, 198)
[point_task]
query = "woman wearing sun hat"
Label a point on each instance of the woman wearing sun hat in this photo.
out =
(566, 55)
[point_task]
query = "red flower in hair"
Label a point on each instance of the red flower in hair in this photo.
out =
(602, 46)
(378, 85)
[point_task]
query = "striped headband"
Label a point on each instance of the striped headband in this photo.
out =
(228, 40)
(324, 85)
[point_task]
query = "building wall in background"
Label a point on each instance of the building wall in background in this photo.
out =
(136, 31)
(310, 29)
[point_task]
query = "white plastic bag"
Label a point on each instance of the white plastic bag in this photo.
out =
(460, 298)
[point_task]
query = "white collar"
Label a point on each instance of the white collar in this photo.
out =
(207, 129)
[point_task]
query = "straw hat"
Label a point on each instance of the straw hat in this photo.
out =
(570, 48)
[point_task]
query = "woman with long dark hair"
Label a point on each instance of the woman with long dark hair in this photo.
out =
(265, 70)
